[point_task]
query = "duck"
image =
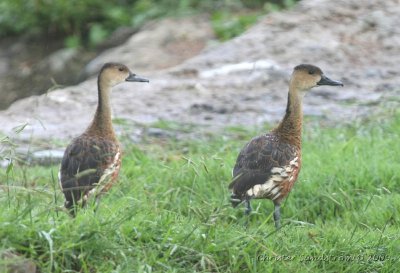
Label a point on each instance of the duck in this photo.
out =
(92, 161)
(268, 166)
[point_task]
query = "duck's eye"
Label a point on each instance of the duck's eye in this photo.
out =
(121, 69)
(311, 72)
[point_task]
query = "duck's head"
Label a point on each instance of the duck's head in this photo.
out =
(307, 76)
(114, 73)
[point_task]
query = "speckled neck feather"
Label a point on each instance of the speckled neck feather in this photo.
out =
(289, 129)
(102, 122)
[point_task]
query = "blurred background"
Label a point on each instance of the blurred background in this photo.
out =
(45, 44)
(210, 63)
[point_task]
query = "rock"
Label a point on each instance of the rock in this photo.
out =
(240, 68)
(158, 45)
(25, 154)
(59, 60)
(241, 82)
(158, 133)
(118, 37)
(29, 68)
(10, 262)
(46, 157)
(198, 108)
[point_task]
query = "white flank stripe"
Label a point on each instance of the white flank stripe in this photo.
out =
(267, 186)
(271, 188)
(284, 175)
(276, 196)
(59, 179)
(294, 161)
(108, 172)
(250, 192)
(277, 178)
(276, 170)
(257, 189)
(275, 191)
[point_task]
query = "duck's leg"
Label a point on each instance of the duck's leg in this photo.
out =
(84, 200)
(248, 206)
(277, 215)
(70, 208)
(96, 203)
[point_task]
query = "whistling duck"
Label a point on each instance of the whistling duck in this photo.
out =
(92, 160)
(267, 167)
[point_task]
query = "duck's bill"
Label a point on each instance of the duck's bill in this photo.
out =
(326, 81)
(136, 78)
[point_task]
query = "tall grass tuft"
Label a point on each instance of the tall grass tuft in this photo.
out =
(170, 211)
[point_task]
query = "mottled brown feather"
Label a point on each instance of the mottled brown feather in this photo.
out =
(257, 159)
(86, 152)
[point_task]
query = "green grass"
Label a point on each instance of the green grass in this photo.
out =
(170, 211)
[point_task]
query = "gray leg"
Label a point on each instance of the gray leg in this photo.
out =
(248, 207)
(84, 200)
(97, 203)
(277, 216)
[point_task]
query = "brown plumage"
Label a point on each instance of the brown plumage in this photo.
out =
(92, 160)
(267, 167)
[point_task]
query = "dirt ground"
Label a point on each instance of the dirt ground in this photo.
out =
(242, 82)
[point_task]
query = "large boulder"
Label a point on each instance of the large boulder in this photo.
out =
(242, 81)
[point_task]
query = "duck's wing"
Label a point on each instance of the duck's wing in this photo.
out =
(84, 162)
(261, 158)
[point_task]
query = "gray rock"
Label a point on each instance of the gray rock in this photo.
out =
(222, 76)
(158, 45)
(158, 133)
(59, 60)
(11, 262)
(46, 157)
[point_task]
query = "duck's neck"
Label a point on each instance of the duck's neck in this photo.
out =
(102, 123)
(289, 129)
